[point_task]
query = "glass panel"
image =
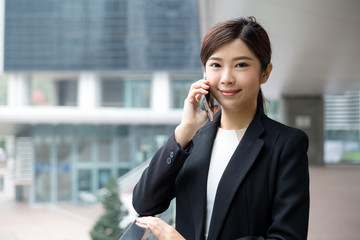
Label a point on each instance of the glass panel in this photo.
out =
(104, 175)
(147, 140)
(112, 93)
(85, 149)
(64, 149)
(104, 149)
(42, 168)
(342, 124)
(124, 149)
(122, 171)
(57, 35)
(84, 180)
(180, 90)
(1, 183)
(42, 92)
(126, 93)
(137, 93)
(272, 108)
(47, 92)
(123, 146)
(3, 89)
(66, 92)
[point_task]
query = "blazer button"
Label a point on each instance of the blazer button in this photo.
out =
(172, 154)
(169, 161)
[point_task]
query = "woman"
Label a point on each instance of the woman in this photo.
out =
(241, 176)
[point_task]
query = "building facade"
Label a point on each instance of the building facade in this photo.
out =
(93, 89)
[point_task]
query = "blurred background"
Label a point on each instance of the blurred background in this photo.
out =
(90, 89)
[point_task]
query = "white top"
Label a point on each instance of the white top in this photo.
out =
(225, 144)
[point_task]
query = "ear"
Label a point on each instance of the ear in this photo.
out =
(266, 74)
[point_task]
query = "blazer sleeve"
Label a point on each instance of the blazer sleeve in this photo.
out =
(292, 201)
(156, 188)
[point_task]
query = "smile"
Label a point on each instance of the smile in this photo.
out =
(229, 92)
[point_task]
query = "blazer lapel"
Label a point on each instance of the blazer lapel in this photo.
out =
(198, 166)
(238, 166)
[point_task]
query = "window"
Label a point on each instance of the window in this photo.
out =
(104, 149)
(42, 92)
(66, 92)
(123, 144)
(272, 108)
(104, 175)
(126, 93)
(146, 140)
(50, 92)
(42, 168)
(180, 89)
(3, 90)
(64, 152)
(85, 149)
(84, 180)
(342, 135)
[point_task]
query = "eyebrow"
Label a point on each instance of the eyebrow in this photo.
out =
(234, 59)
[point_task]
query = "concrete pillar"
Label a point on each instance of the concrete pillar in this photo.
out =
(9, 185)
(160, 91)
(307, 114)
(89, 92)
(18, 90)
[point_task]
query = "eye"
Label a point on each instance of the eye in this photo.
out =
(241, 65)
(215, 65)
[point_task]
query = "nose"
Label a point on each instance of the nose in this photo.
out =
(227, 77)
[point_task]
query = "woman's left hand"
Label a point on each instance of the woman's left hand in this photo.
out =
(159, 228)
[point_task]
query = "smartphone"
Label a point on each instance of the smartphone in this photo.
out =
(208, 102)
(135, 232)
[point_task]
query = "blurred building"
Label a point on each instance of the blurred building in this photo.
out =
(342, 127)
(91, 89)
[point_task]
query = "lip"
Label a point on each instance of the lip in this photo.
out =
(229, 92)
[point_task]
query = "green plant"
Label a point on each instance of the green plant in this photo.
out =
(107, 227)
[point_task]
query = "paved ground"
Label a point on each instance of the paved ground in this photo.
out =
(335, 203)
(21, 222)
(334, 215)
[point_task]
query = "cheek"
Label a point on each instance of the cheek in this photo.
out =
(250, 79)
(213, 81)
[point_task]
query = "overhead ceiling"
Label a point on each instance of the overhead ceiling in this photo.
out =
(316, 44)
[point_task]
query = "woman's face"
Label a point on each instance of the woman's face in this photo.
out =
(235, 76)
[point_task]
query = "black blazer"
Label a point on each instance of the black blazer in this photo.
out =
(263, 193)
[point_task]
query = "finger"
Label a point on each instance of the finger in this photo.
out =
(156, 226)
(141, 224)
(195, 92)
(198, 97)
(156, 231)
(200, 84)
(143, 221)
(150, 220)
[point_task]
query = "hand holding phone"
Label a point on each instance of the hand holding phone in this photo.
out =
(208, 102)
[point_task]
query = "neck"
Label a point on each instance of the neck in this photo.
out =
(237, 118)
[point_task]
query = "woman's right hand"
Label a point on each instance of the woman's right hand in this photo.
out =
(193, 116)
